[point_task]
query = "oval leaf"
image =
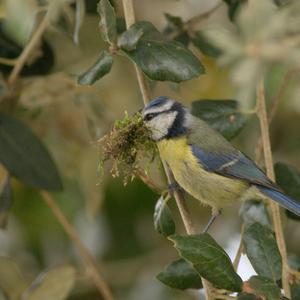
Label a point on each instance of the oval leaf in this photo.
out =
(180, 275)
(222, 115)
(11, 280)
(55, 284)
(262, 251)
(5, 202)
(24, 155)
(209, 259)
(108, 21)
(288, 178)
(163, 221)
(100, 68)
(264, 287)
(159, 58)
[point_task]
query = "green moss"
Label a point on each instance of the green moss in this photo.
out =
(126, 145)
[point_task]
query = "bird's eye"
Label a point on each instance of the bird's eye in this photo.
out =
(149, 117)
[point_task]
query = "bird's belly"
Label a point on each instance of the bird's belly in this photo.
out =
(210, 188)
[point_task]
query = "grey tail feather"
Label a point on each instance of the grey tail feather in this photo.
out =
(284, 200)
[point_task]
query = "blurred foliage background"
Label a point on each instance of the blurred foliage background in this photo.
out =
(113, 221)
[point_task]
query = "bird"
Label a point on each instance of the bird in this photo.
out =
(204, 163)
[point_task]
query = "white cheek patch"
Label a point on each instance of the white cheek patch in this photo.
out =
(161, 124)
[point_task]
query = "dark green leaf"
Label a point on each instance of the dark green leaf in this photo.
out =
(163, 221)
(159, 58)
(234, 7)
(180, 275)
(174, 21)
(246, 296)
(5, 202)
(262, 251)
(294, 262)
(222, 115)
(108, 23)
(209, 259)
(253, 211)
(288, 178)
(100, 68)
(24, 155)
(203, 44)
(129, 39)
(265, 287)
(295, 290)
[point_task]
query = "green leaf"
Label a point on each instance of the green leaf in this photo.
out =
(55, 284)
(159, 58)
(5, 202)
(253, 211)
(262, 251)
(209, 259)
(203, 44)
(295, 290)
(265, 287)
(288, 178)
(222, 115)
(108, 21)
(129, 39)
(24, 156)
(180, 275)
(163, 220)
(246, 296)
(100, 68)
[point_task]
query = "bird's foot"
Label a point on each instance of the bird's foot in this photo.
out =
(215, 214)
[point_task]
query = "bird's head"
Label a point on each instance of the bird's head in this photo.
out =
(165, 118)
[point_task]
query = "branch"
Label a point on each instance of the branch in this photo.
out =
(179, 197)
(21, 60)
(277, 222)
(195, 20)
(83, 251)
(273, 109)
(7, 61)
(191, 23)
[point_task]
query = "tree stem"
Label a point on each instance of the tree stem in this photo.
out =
(277, 222)
(83, 251)
(21, 60)
(179, 197)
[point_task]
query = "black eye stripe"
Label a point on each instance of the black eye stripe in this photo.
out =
(150, 116)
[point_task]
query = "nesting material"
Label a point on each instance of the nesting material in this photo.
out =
(126, 146)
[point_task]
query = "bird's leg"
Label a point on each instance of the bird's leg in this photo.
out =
(174, 186)
(215, 214)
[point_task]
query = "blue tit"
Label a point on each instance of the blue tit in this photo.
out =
(204, 163)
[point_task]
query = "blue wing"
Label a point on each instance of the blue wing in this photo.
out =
(234, 164)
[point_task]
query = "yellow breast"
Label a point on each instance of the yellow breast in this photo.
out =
(208, 187)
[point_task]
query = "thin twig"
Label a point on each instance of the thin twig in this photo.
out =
(273, 108)
(239, 252)
(7, 61)
(195, 20)
(277, 222)
(83, 251)
(28, 49)
(179, 197)
(191, 23)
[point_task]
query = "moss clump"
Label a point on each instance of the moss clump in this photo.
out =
(126, 145)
